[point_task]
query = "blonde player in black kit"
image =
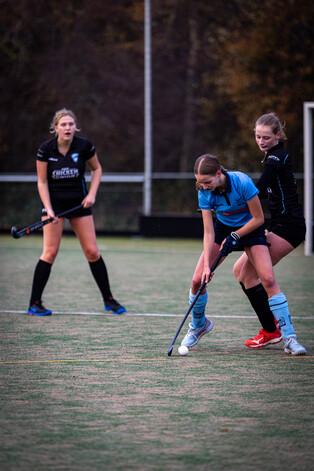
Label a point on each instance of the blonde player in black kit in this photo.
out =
(61, 186)
(285, 231)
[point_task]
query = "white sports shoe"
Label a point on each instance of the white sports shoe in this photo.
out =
(293, 347)
(194, 335)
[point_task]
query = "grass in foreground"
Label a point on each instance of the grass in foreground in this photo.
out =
(99, 392)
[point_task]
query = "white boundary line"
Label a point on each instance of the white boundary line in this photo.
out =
(133, 314)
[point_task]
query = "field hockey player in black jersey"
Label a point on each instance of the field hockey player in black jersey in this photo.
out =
(61, 185)
(285, 231)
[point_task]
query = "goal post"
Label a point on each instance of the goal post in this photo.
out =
(308, 175)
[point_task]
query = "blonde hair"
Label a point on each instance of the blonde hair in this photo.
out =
(58, 115)
(207, 164)
(270, 119)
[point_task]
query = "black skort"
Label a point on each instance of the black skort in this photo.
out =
(256, 237)
(289, 228)
(59, 206)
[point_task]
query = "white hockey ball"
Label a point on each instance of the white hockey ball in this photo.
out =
(183, 350)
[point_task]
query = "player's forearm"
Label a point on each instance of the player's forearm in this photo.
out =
(95, 181)
(250, 226)
(208, 243)
(44, 194)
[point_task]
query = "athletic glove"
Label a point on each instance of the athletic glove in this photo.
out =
(231, 243)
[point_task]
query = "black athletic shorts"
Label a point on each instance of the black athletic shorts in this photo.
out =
(60, 205)
(256, 237)
(289, 228)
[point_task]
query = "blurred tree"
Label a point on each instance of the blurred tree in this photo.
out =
(267, 65)
(84, 55)
(216, 68)
(189, 117)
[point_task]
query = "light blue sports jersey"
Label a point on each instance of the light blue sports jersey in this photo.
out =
(231, 206)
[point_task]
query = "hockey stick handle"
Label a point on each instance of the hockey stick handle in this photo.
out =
(38, 225)
(213, 267)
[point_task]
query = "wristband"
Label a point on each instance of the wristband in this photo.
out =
(235, 236)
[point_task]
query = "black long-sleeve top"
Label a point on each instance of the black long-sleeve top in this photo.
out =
(278, 184)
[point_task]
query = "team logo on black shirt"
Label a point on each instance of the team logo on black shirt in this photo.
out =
(75, 157)
(274, 157)
(65, 172)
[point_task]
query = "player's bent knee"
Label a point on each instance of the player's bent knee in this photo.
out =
(49, 256)
(92, 254)
(196, 283)
(237, 272)
(269, 282)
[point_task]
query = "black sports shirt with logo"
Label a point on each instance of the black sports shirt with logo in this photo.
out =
(278, 183)
(66, 173)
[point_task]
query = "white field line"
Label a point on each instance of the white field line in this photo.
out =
(146, 314)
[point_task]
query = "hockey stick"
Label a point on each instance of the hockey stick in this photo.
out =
(38, 225)
(213, 267)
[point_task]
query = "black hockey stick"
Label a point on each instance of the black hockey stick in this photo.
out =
(213, 267)
(38, 225)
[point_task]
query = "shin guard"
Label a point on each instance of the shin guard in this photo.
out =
(198, 311)
(279, 307)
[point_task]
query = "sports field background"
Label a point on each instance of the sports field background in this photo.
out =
(88, 390)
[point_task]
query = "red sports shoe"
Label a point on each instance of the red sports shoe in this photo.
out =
(264, 338)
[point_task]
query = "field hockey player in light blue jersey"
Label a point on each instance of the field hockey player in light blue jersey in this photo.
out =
(239, 225)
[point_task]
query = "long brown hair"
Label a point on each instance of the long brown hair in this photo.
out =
(207, 164)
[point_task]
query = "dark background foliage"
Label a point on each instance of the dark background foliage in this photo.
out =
(217, 66)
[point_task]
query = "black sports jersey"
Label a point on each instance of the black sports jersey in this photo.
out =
(278, 183)
(66, 173)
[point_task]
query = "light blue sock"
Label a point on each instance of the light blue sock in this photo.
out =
(198, 311)
(279, 307)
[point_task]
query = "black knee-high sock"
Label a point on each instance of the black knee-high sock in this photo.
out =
(100, 274)
(41, 275)
(259, 301)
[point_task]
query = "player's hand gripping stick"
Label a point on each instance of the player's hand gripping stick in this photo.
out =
(38, 225)
(231, 244)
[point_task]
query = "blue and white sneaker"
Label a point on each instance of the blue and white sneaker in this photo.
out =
(293, 347)
(38, 309)
(194, 335)
(113, 305)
